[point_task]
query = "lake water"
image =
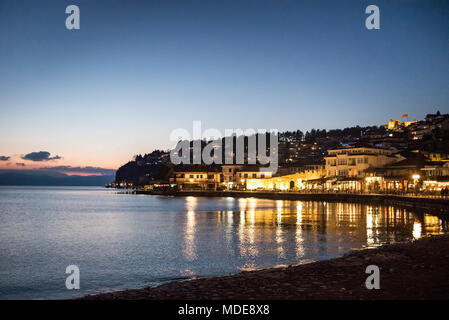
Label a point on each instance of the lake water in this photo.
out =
(121, 240)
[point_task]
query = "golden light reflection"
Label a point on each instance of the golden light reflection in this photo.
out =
(417, 229)
(252, 203)
(369, 228)
(299, 237)
(242, 204)
(299, 212)
(247, 236)
(279, 204)
(284, 229)
(230, 202)
(352, 215)
(252, 216)
(230, 218)
(191, 203)
(279, 234)
(433, 225)
(189, 237)
(229, 230)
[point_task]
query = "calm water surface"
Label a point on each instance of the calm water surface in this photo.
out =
(128, 241)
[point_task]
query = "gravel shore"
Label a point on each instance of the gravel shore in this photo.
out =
(416, 270)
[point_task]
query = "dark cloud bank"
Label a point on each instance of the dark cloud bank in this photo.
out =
(40, 156)
(56, 176)
(50, 178)
(88, 170)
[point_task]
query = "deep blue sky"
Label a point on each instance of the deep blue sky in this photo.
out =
(138, 69)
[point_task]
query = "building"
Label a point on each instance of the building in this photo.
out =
(394, 125)
(401, 176)
(196, 178)
(229, 172)
(306, 168)
(293, 182)
(435, 169)
(352, 160)
(289, 151)
(410, 175)
(435, 176)
(235, 176)
(432, 123)
(347, 166)
(157, 185)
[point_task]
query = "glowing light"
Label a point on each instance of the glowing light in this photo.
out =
(299, 213)
(417, 230)
(191, 203)
(369, 228)
(252, 203)
(189, 237)
(299, 238)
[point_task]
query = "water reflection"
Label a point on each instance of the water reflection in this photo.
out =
(189, 234)
(147, 240)
(417, 230)
(298, 236)
(262, 232)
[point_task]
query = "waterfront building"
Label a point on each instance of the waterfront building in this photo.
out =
(303, 180)
(229, 172)
(157, 185)
(297, 168)
(435, 169)
(347, 166)
(401, 176)
(352, 161)
(411, 174)
(196, 178)
(235, 176)
(436, 176)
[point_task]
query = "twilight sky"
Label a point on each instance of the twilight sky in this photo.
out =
(136, 70)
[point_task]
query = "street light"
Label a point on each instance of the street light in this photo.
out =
(415, 181)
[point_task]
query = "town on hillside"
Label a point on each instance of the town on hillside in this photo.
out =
(400, 157)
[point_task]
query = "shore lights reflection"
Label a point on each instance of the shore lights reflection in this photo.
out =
(189, 234)
(255, 231)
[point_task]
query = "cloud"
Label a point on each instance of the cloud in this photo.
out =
(20, 164)
(40, 156)
(85, 170)
(4, 158)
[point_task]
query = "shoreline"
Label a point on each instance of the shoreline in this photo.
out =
(412, 270)
(435, 206)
